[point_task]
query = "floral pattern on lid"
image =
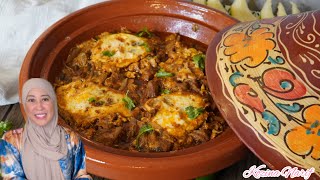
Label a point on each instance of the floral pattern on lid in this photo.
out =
(273, 93)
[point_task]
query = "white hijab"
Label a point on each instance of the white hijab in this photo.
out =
(42, 146)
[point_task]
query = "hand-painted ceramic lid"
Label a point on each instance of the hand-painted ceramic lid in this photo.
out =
(265, 78)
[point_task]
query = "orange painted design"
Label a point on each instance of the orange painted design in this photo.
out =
(252, 47)
(305, 140)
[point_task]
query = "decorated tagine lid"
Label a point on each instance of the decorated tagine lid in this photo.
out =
(265, 78)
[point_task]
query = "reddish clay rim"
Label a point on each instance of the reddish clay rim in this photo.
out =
(56, 41)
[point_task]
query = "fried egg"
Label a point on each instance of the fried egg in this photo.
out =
(87, 101)
(118, 50)
(171, 112)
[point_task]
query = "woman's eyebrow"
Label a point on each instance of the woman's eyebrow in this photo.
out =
(41, 96)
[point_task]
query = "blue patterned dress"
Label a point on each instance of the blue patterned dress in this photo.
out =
(73, 166)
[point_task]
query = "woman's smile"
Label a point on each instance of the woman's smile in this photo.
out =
(41, 115)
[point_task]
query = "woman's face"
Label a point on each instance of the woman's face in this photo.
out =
(39, 107)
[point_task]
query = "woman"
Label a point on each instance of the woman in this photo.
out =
(42, 149)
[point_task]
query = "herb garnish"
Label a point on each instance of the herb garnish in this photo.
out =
(143, 32)
(108, 53)
(165, 91)
(193, 112)
(144, 129)
(5, 126)
(146, 46)
(199, 60)
(92, 99)
(163, 73)
(128, 102)
(95, 102)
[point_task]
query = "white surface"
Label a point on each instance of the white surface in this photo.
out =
(22, 21)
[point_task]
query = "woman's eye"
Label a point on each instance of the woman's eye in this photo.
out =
(46, 99)
(30, 100)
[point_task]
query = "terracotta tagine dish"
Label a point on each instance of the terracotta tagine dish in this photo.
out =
(50, 54)
(269, 73)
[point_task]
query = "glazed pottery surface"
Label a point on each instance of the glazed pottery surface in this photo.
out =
(200, 23)
(265, 78)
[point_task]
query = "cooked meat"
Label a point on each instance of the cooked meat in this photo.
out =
(138, 93)
(108, 136)
(199, 136)
(152, 89)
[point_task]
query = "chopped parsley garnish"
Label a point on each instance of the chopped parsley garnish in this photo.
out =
(92, 99)
(193, 112)
(5, 126)
(144, 129)
(95, 102)
(128, 102)
(165, 91)
(163, 73)
(144, 32)
(199, 60)
(108, 53)
(146, 46)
